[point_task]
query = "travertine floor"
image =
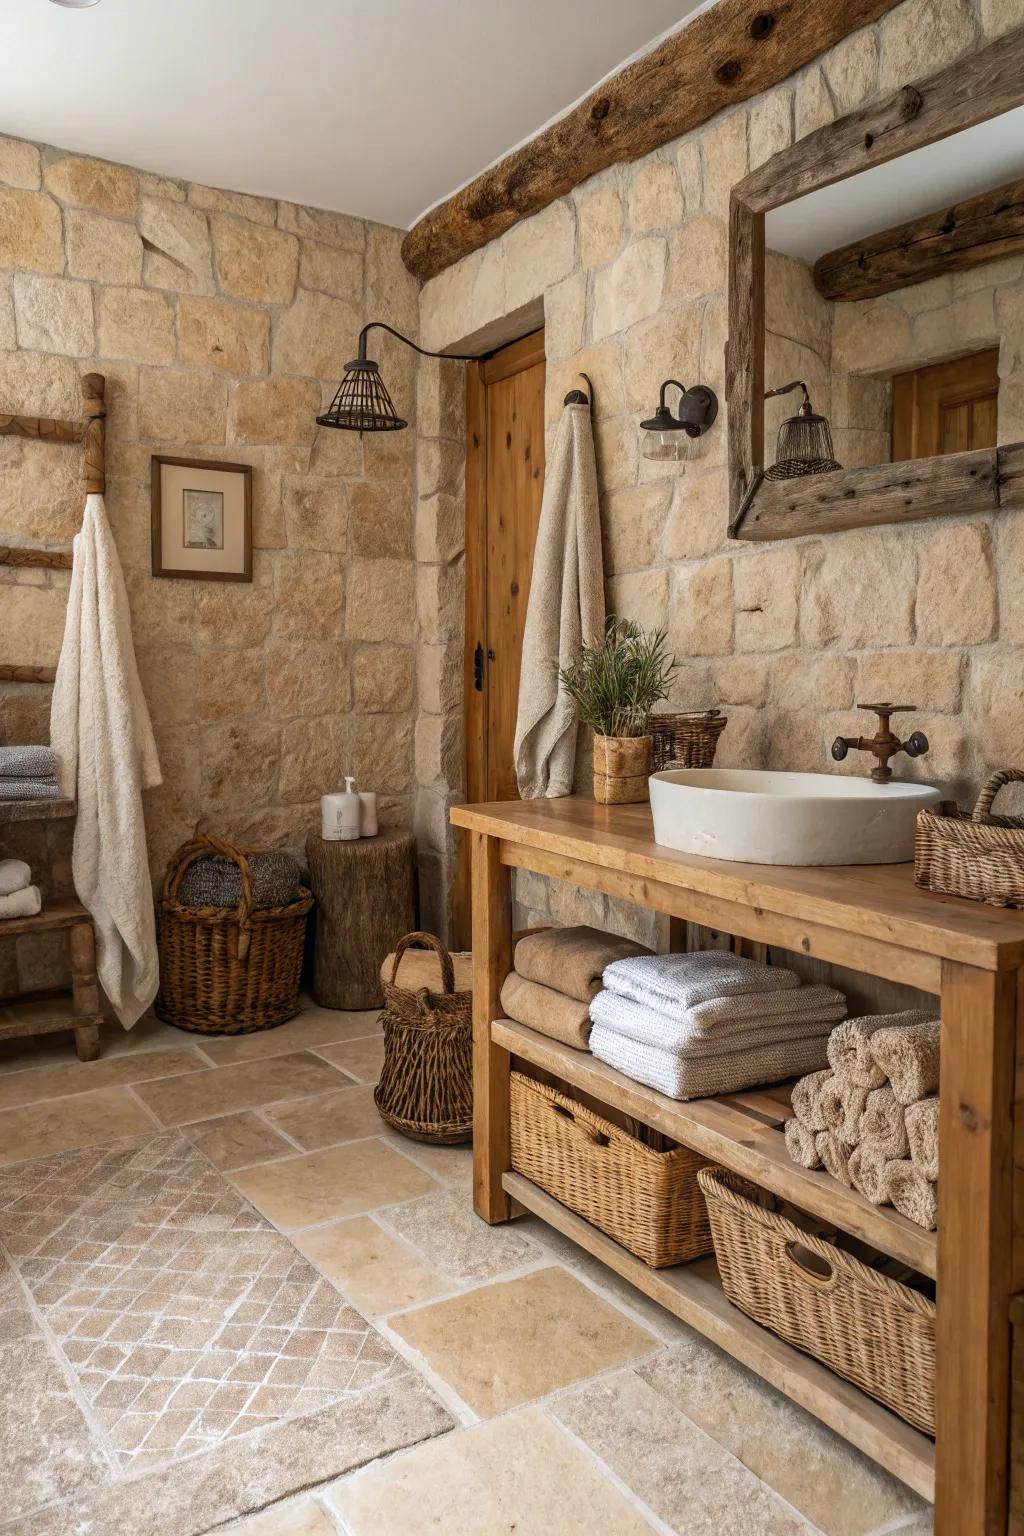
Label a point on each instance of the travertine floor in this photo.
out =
(227, 1288)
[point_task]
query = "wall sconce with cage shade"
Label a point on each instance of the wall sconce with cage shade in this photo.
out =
(677, 438)
(362, 402)
(805, 440)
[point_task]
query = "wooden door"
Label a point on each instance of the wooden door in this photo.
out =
(946, 408)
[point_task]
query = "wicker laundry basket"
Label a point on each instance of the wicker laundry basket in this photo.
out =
(686, 740)
(646, 1200)
(865, 1325)
(426, 1085)
(973, 854)
(227, 970)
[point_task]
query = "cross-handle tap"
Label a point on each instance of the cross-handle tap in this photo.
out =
(883, 744)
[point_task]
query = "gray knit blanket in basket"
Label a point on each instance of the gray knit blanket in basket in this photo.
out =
(217, 882)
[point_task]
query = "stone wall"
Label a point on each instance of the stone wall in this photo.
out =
(222, 323)
(631, 269)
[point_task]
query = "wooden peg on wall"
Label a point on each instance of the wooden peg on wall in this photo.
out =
(94, 441)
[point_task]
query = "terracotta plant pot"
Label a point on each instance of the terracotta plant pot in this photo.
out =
(622, 765)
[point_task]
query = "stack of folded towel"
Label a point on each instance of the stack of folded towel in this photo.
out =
(872, 1117)
(710, 1022)
(18, 896)
(28, 773)
(557, 973)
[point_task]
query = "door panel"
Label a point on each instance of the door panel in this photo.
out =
(946, 407)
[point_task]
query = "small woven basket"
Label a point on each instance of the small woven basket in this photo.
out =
(426, 1085)
(227, 970)
(973, 854)
(646, 1200)
(686, 740)
(863, 1324)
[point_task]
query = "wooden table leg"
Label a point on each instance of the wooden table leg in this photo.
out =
(492, 960)
(85, 992)
(979, 1023)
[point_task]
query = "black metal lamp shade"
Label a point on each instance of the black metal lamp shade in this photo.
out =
(805, 441)
(676, 437)
(362, 403)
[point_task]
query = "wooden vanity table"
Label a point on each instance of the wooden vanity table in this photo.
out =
(869, 918)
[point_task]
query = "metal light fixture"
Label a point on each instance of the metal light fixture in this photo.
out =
(75, 5)
(362, 403)
(665, 436)
(805, 440)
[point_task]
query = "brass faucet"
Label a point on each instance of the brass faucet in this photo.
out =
(883, 744)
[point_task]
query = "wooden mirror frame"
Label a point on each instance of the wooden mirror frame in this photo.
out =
(968, 92)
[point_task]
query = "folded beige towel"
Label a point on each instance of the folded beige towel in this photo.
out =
(14, 876)
(24, 903)
(549, 1012)
(913, 1195)
(852, 1101)
(848, 1049)
(923, 1136)
(868, 1172)
(909, 1057)
(571, 960)
(806, 1099)
(883, 1124)
(834, 1155)
(800, 1144)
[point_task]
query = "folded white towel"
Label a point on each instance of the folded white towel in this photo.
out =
(676, 983)
(24, 903)
(697, 1077)
(14, 876)
(676, 1032)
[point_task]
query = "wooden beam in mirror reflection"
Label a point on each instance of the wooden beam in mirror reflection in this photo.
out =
(45, 428)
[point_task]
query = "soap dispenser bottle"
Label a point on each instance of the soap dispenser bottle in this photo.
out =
(340, 814)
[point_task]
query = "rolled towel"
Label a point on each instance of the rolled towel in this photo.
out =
(24, 903)
(914, 1196)
(29, 789)
(923, 1135)
(909, 1057)
(28, 763)
(834, 1155)
(868, 1172)
(852, 1102)
(547, 1011)
(848, 1048)
(674, 1032)
(14, 876)
(807, 1100)
(697, 1077)
(801, 1144)
(676, 983)
(883, 1123)
(572, 960)
(831, 1101)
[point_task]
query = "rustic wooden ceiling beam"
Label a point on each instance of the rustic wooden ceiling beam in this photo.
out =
(952, 239)
(726, 55)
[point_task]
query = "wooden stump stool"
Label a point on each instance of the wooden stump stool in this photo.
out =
(365, 902)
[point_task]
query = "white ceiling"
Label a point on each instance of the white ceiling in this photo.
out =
(976, 160)
(378, 108)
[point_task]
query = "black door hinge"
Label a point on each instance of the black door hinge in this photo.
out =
(478, 668)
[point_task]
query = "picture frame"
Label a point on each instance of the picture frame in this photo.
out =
(201, 519)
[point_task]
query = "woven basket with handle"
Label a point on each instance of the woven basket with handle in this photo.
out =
(686, 740)
(426, 1085)
(227, 970)
(973, 853)
(865, 1325)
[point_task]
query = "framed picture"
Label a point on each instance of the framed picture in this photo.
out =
(202, 519)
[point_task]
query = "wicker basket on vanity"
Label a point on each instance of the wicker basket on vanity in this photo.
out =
(686, 740)
(973, 853)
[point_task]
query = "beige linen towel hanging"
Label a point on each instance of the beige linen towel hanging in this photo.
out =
(106, 755)
(565, 611)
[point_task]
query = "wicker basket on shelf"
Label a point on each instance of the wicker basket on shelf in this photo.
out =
(868, 1327)
(686, 740)
(227, 970)
(426, 1084)
(973, 853)
(645, 1199)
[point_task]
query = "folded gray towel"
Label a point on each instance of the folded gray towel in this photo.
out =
(217, 882)
(27, 763)
(29, 789)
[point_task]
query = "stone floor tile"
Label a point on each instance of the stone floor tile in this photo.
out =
(685, 1477)
(658, 1319)
(515, 1340)
(302, 1519)
(373, 1271)
(347, 1114)
(149, 1034)
(223, 1090)
(313, 1026)
(452, 1237)
(237, 1141)
(453, 1165)
(361, 1059)
(837, 1488)
(56, 1125)
(49, 1451)
(56, 1082)
(518, 1474)
(339, 1181)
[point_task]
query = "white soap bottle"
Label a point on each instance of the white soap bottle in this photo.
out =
(340, 814)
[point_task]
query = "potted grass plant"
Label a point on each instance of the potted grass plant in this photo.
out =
(614, 686)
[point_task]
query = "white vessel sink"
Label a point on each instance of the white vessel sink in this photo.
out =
(758, 817)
